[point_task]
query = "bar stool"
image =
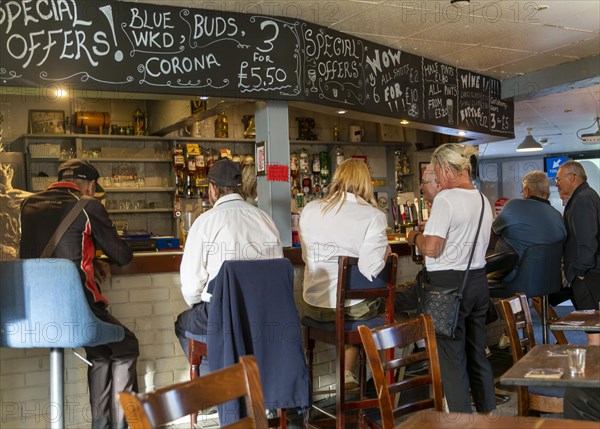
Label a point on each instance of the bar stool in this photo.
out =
(42, 305)
(351, 285)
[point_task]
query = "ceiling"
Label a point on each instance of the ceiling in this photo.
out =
(553, 43)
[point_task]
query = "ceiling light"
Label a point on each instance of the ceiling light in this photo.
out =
(462, 133)
(203, 97)
(529, 144)
(341, 112)
(404, 122)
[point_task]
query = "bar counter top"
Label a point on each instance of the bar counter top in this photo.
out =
(168, 261)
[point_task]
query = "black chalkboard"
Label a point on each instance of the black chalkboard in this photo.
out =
(135, 47)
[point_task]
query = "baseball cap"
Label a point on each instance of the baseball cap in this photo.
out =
(225, 173)
(80, 170)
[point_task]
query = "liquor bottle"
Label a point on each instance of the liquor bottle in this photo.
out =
(179, 182)
(339, 155)
(178, 158)
(221, 126)
(424, 209)
(190, 183)
(294, 165)
(200, 165)
(316, 164)
(417, 256)
(176, 206)
(325, 167)
(306, 185)
(303, 161)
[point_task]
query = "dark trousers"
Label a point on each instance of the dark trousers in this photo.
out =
(464, 365)
(113, 370)
(586, 292)
(193, 321)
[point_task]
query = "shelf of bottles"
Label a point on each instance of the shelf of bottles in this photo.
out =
(191, 163)
(402, 170)
(311, 174)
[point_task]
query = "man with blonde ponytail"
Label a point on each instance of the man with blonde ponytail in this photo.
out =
(446, 242)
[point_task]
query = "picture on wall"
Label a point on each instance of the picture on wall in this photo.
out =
(261, 158)
(46, 121)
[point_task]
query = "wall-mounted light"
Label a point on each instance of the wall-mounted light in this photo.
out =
(203, 97)
(60, 92)
(341, 112)
(462, 133)
(404, 122)
(529, 144)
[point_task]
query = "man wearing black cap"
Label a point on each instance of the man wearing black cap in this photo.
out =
(113, 365)
(232, 230)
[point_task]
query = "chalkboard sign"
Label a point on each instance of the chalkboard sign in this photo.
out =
(105, 45)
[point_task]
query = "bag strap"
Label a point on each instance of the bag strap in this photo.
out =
(62, 227)
(473, 249)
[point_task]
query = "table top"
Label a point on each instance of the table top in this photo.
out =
(584, 320)
(430, 419)
(539, 357)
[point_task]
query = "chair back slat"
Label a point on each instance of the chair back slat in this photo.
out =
(149, 411)
(379, 342)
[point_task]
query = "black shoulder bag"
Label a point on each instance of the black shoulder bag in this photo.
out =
(443, 305)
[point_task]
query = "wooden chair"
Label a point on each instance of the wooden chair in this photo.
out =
(351, 285)
(519, 328)
(151, 410)
(538, 305)
(538, 274)
(382, 346)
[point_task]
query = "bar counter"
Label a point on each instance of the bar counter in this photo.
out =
(168, 261)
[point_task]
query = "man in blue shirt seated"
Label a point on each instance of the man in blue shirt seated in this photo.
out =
(532, 220)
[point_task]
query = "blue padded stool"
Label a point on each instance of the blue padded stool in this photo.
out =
(42, 305)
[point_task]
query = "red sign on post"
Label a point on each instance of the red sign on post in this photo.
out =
(277, 173)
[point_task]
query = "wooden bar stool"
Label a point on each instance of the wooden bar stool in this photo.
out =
(351, 285)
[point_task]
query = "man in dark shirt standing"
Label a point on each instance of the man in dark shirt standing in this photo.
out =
(113, 365)
(581, 216)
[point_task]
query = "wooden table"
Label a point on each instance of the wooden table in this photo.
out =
(538, 357)
(438, 420)
(585, 320)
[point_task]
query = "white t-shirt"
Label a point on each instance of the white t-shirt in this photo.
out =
(357, 230)
(454, 217)
(231, 230)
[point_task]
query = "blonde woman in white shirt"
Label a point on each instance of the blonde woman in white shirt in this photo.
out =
(344, 223)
